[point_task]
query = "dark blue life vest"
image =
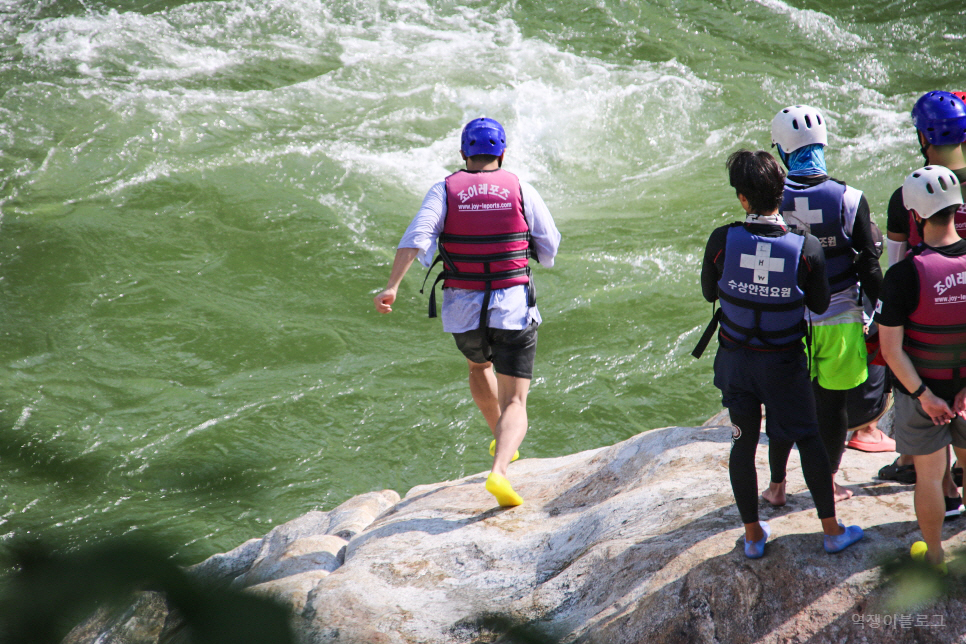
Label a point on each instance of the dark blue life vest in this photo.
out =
(820, 210)
(762, 304)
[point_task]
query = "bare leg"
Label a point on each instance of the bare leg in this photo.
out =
(775, 494)
(831, 527)
(841, 493)
(484, 390)
(512, 425)
(753, 531)
(930, 507)
(778, 452)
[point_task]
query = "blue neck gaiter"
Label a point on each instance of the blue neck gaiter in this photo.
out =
(806, 160)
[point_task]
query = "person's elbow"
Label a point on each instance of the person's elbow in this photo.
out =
(820, 304)
(891, 348)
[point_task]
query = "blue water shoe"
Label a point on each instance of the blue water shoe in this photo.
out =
(840, 542)
(756, 549)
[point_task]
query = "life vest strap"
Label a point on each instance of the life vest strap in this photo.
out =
(928, 363)
(708, 333)
(486, 277)
(934, 348)
(837, 251)
(448, 238)
(849, 276)
(501, 257)
(937, 329)
(763, 335)
(432, 292)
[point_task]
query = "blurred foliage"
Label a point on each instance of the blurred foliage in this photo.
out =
(909, 585)
(49, 583)
(50, 592)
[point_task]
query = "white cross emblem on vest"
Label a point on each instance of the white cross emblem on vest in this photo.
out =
(803, 215)
(762, 262)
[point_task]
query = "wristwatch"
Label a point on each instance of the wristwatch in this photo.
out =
(920, 391)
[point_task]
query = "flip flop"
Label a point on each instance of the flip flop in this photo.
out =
(886, 444)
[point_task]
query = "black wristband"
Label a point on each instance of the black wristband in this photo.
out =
(920, 391)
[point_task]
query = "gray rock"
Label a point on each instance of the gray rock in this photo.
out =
(225, 567)
(637, 542)
(308, 554)
(140, 623)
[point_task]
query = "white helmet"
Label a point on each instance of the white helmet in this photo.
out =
(929, 190)
(798, 126)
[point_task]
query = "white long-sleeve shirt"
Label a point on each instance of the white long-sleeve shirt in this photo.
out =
(461, 307)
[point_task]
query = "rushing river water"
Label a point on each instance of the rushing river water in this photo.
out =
(199, 200)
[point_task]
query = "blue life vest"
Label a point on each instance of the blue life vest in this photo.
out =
(820, 210)
(762, 304)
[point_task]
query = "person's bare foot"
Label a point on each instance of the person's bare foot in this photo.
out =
(869, 434)
(841, 493)
(775, 494)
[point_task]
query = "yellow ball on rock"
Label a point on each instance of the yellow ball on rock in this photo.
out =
(918, 550)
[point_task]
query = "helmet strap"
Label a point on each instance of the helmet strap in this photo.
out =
(924, 146)
(782, 155)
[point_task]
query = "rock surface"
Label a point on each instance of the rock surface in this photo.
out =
(637, 542)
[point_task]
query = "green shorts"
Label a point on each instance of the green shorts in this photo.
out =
(839, 358)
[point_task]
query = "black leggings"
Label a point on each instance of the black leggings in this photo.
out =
(833, 421)
(744, 475)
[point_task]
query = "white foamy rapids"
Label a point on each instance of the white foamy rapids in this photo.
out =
(662, 266)
(562, 112)
(406, 84)
(815, 25)
(191, 40)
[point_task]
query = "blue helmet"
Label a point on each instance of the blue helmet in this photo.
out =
(483, 136)
(941, 117)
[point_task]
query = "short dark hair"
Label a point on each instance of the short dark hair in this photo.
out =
(758, 177)
(484, 158)
(942, 217)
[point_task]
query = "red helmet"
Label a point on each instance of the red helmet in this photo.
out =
(961, 95)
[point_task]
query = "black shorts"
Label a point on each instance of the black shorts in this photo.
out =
(511, 351)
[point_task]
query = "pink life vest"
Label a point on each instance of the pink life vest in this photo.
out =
(485, 243)
(915, 238)
(934, 335)
(485, 231)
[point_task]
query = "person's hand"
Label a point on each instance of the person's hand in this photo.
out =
(384, 300)
(959, 403)
(936, 408)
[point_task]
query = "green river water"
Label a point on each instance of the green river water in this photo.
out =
(199, 200)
